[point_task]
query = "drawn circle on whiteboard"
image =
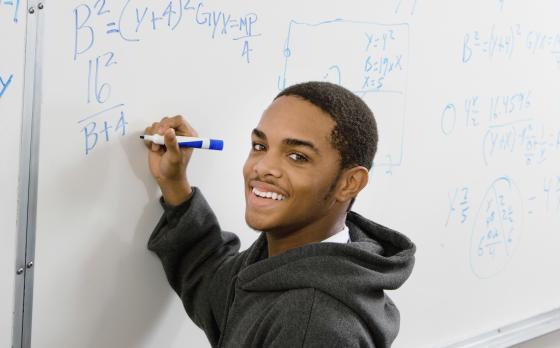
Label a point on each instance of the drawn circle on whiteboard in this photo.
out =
(448, 119)
(287, 52)
(497, 228)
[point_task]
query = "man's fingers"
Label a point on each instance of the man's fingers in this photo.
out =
(191, 131)
(149, 131)
(169, 127)
(181, 126)
(171, 145)
(178, 123)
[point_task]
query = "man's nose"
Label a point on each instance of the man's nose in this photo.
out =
(268, 165)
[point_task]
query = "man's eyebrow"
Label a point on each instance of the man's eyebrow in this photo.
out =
(259, 134)
(299, 142)
(289, 141)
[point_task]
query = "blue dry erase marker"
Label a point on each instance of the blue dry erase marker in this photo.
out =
(197, 143)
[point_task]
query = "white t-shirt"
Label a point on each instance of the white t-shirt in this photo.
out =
(339, 237)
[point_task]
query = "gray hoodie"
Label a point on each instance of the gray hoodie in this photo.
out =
(317, 295)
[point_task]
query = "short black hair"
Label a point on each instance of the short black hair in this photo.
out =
(355, 133)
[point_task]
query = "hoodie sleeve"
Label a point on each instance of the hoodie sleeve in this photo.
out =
(199, 259)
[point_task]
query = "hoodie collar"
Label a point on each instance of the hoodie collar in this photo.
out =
(376, 252)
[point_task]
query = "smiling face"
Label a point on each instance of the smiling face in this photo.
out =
(291, 168)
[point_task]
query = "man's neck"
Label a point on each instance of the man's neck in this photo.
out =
(279, 243)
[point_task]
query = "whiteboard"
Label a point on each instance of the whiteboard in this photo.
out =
(12, 58)
(465, 95)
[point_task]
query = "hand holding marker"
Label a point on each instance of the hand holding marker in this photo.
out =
(192, 142)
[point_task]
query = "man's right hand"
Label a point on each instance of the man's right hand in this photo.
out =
(168, 164)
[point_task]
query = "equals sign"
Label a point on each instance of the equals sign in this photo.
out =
(112, 28)
(233, 23)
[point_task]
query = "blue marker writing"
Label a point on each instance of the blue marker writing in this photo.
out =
(197, 143)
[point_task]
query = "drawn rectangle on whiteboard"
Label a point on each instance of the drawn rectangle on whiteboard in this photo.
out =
(370, 59)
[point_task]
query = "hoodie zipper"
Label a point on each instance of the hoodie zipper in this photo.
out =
(230, 298)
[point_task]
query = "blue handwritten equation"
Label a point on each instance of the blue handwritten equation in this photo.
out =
(531, 141)
(132, 22)
(371, 59)
(551, 189)
(483, 111)
(544, 199)
(459, 205)
(12, 7)
(108, 118)
(9, 8)
(96, 129)
(4, 83)
(497, 220)
(497, 228)
(494, 42)
(510, 129)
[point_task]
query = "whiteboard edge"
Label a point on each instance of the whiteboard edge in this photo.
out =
(515, 333)
(28, 176)
(22, 195)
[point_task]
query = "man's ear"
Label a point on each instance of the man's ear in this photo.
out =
(351, 182)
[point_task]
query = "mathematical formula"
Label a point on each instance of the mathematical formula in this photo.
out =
(497, 218)
(510, 128)
(9, 12)
(110, 121)
(529, 141)
(544, 199)
(481, 111)
(497, 229)
(505, 42)
(4, 83)
(133, 22)
(9, 9)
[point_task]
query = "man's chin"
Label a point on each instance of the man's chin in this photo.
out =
(268, 224)
(263, 222)
(256, 223)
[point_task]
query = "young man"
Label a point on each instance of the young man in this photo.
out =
(316, 275)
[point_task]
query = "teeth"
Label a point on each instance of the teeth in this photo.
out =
(272, 195)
